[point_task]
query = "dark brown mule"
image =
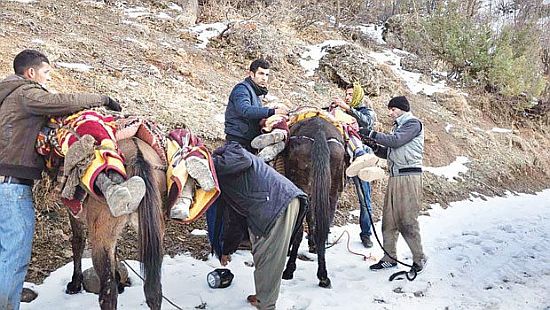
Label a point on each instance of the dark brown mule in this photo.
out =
(314, 161)
(103, 230)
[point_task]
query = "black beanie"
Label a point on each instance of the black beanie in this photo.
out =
(400, 102)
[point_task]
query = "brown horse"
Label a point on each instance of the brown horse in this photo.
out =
(314, 161)
(104, 229)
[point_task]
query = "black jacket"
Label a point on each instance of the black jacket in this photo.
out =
(253, 190)
(244, 112)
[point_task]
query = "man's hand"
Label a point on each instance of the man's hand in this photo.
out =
(113, 105)
(370, 143)
(340, 103)
(225, 259)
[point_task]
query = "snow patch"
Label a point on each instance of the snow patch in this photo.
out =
(448, 127)
(501, 130)
(24, 1)
(310, 58)
(164, 16)
(199, 232)
(412, 79)
(74, 66)
(37, 41)
(175, 7)
(451, 171)
(205, 32)
(373, 31)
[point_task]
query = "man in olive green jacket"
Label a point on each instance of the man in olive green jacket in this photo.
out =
(25, 106)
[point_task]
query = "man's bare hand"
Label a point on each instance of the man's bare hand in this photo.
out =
(225, 259)
(340, 103)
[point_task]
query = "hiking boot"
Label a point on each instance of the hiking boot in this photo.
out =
(269, 152)
(381, 265)
(199, 169)
(180, 210)
(266, 139)
(363, 161)
(123, 198)
(370, 174)
(367, 243)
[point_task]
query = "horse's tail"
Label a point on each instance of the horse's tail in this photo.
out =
(151, 227)
(320, 204)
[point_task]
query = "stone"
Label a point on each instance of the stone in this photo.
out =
(347, 63)
(28, 295)
(91, 283)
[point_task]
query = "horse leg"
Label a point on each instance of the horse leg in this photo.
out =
(103, 232)
(311, 231)
(78, 242)
(324, 280)
(288, 274)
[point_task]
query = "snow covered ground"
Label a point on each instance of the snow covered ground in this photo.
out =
(483, 254)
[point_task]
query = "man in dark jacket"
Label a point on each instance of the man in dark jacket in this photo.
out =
(244, 109)
(257, 197)
(25, 106)
(404, 150)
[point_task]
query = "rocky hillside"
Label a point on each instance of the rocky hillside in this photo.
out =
(150, 56)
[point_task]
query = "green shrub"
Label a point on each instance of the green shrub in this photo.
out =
(516, 66)
(507, 62)
(455, 39)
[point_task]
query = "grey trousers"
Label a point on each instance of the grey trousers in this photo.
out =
(400, 215)
(269, 255)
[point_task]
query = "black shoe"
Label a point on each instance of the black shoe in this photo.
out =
(367, 243)
(381, 265)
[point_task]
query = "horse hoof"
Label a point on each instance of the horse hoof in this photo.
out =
(325, 283)
(288, 275)
(73, 288)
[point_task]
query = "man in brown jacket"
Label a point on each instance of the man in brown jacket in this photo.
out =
(25, 106)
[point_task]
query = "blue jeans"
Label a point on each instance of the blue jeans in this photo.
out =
(364, 220)
(16, 233)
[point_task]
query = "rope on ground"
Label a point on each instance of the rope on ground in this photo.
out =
(142, 279)
(365, 257)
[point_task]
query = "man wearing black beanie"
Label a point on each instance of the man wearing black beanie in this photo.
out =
(400, 102)
(403, 147)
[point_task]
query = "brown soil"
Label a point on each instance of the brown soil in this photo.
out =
(164, 77)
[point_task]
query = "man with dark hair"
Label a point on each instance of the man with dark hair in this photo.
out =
(404, 149)
(28, 59)
(244, 109)
(359, 106)
(25, 106)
